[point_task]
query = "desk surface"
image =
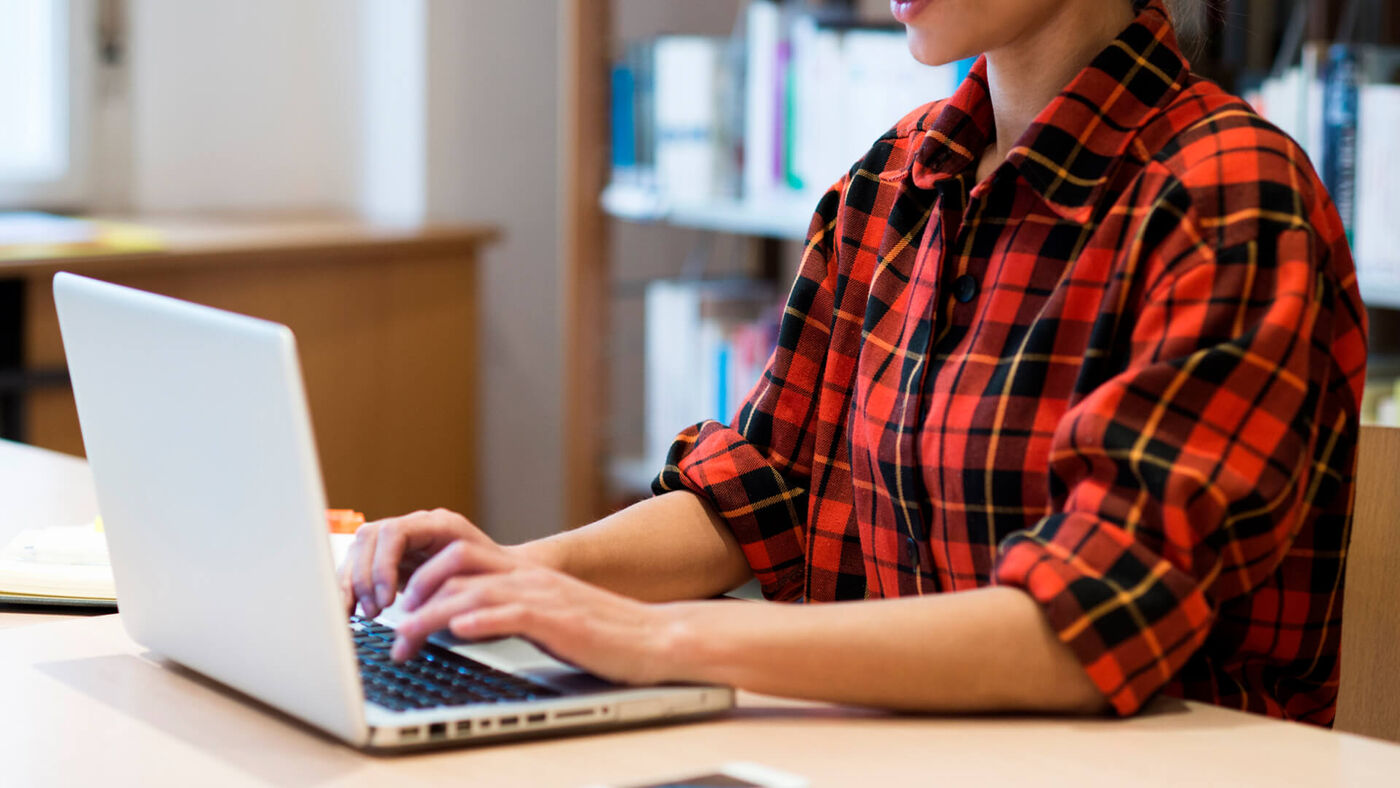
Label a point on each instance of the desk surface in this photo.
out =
(204, 238)
(40, 488)
(83, 685)
(137, 720)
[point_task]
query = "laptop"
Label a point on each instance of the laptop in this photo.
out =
(197, 432)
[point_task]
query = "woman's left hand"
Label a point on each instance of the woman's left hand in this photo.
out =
(610, 635)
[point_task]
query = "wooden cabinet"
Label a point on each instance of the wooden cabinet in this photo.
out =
(386, 325)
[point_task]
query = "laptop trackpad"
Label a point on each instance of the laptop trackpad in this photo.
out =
(523, 658)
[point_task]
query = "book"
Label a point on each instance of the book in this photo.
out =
(1342, 104)
(1339, 130)
(1376, 239)
(68, 565)
(64, 565)
(762, 36)
(695, 161)
(782, 113)
(707, 344)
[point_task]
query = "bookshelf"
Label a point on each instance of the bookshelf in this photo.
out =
(1245, 38)
(784, 218)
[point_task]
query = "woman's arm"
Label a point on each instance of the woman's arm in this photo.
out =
(666, 548)
(984, 650)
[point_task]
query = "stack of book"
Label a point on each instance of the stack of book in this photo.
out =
(1342, 104)
(785, 109)
(707, 343)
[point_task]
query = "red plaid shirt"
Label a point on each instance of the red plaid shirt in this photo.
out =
(1122, 374)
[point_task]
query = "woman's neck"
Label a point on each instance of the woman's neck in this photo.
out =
(1026, 74)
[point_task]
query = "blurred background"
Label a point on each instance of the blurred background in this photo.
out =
(522, 244)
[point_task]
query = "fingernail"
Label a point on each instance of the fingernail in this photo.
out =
(410, 599)
(382, 594)
(399, 652)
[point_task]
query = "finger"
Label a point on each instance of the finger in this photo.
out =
(458, 558)
(456, 596)
(361, 577)
(499, 621)
(446, 520)
(423, 533)
(388, 552)
(347, 590)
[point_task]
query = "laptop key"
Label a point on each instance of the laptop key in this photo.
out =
(436, 677)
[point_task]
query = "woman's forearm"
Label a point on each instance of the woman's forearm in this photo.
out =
(666, 548)
(985, 650)
(989, 649)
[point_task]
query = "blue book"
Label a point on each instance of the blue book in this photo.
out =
(1340, 107)
(624, 121)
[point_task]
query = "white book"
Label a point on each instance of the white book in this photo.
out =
(882, 83)
(672, 363)
(763, 33)
(830, 158)
(1377, 224)
(806, 109)
(1310, 95)
(869, 81)
(820, 156)
(688, 154)
(1281, 103)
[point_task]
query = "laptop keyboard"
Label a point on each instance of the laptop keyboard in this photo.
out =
(435, 677)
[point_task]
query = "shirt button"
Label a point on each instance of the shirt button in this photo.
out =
(964, 288)
(913, 545)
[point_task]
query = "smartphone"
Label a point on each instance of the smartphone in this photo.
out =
(732, 775)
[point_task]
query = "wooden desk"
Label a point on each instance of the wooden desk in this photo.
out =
(385, 322)
(82, 686)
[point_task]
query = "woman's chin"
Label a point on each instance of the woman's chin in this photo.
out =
(934, 50)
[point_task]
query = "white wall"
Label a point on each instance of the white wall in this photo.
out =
(267, 105)
(242, 105)
(493, 156)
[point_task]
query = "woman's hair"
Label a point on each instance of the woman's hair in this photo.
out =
(1189, 16)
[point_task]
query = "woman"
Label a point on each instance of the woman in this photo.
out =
(1082, 344)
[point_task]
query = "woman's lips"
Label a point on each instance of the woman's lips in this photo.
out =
(906, 10)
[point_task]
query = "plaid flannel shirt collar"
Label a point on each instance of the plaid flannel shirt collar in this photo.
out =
(1068, 153)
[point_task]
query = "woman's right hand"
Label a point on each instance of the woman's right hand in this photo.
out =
(387, 552)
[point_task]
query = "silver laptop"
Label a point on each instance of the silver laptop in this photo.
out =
(200, 443)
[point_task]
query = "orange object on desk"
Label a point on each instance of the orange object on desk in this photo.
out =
(344, 521)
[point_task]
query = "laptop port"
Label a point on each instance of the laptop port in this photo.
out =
(508, 721)
(412, 732)
(437, 730)
(463, 727)
(534, 718)
(564, 715)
